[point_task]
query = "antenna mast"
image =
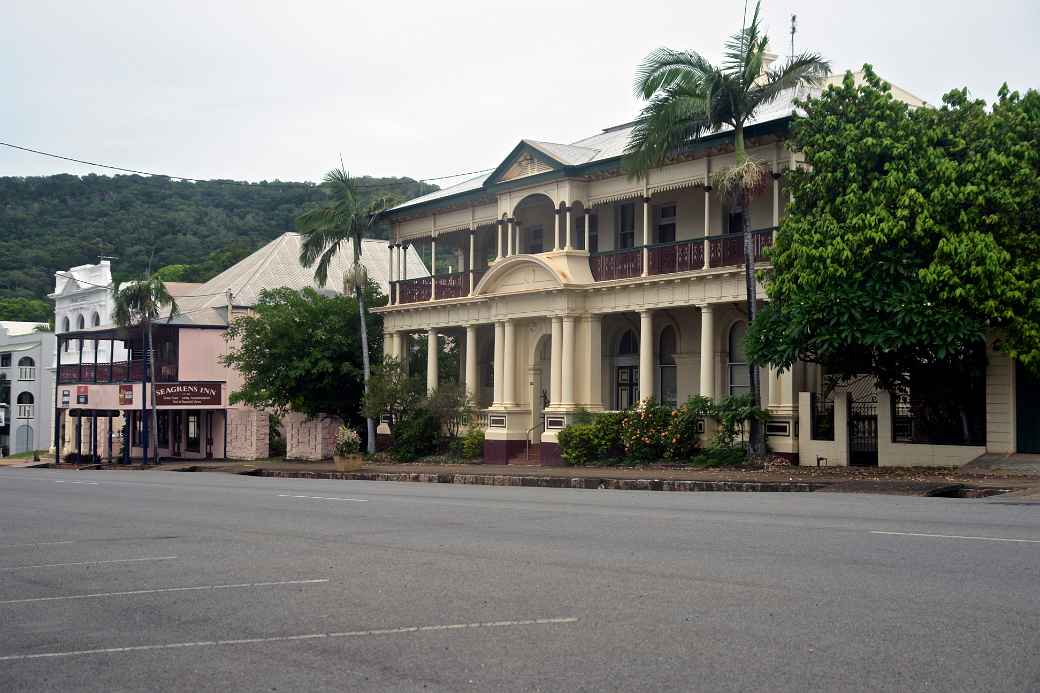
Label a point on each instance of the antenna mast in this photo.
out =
(794, 28)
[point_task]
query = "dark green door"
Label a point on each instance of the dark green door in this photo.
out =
(1027, 408)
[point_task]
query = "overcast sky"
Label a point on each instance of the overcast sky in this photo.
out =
(258, 90)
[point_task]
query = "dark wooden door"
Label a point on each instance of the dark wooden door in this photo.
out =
(1027, 410)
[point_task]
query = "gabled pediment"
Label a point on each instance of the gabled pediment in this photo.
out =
(530, 158)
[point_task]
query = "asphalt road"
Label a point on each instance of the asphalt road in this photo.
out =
(114, 581)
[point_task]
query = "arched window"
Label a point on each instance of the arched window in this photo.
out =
(739, 371)
(666, 348)
(80, 322)
(95, 321)
(629, 344)
(26, 408)
(26, 368)
(65, 328)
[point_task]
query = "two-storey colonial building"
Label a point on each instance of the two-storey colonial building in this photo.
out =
(571, 286)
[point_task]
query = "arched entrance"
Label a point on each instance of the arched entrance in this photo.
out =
(541, 385)
(535, 216)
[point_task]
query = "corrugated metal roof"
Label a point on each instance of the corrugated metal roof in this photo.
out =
(277, 265)
(611, 143)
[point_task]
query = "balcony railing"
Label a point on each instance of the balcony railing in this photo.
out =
(455, 285)
(414, 290)
(120, 372)
(616, 264)
(681, 256)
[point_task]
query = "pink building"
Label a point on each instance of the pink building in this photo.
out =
(102, 378)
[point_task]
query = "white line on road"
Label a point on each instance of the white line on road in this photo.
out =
(956, 536)
(35, 543)
(287, 638)
(62, 565)
(355, 500)
(157, 590)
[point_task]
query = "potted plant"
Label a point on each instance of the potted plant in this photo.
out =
(348, 450)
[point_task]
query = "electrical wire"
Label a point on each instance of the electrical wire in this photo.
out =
(232, 182)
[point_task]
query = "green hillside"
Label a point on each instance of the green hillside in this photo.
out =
(55, 222)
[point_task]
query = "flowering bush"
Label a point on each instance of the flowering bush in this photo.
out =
(685, 426)
(348, 442)
(644, 432)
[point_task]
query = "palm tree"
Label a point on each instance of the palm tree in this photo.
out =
(140, 303)
(324, 230)
(687, 97)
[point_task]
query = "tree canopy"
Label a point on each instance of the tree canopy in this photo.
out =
(912, 234)
(52, 223)
(302, 351)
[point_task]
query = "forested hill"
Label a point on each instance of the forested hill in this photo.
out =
(55, 222)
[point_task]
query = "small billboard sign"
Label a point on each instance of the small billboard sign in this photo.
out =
(126, 395)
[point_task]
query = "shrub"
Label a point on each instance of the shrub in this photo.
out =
(452, 406)
(416, 435)
(644, 432)
(734, 412)
(578, 444)
(473, 444)
(348, 442)
(683, 435)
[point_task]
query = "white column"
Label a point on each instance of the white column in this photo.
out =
(555, 361)
(517, 246)
(556, 229)
(646, 355)
(567, 362)
(431, 361)
(404, 261)
(471, 361)
(707, 376)
(509, 364)
(509, 237)
(500, 371)
(498, 239)
(588, 226)
(707, 225)
(390, 270)
(472, 257)
(595, 366)
(776, 199)
(774, 386)
(646, 243)
(433, 268)
(567, 244)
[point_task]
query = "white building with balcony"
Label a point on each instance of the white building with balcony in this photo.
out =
(26, 386)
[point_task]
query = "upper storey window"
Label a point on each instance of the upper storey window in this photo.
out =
(627, 225)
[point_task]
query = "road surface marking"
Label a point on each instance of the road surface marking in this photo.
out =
(956, 536)
(35, 543)
(201, 588)
(288, 638)
(62, 565)
(354, 500)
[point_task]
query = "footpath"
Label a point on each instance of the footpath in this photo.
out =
(963, 482)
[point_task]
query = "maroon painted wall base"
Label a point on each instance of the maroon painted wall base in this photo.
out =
(501, 451)
(549, 455)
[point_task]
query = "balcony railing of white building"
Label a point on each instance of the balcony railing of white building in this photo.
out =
(688, 255)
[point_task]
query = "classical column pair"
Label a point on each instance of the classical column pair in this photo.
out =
(505, 363)
(512, 241)
(566, 213)
(561, 362)
(398, 270)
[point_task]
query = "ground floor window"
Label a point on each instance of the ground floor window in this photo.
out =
(739, 369)
(627, 387)
(194, 435)
(666, 347)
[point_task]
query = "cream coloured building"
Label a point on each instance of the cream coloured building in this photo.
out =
(570, 286)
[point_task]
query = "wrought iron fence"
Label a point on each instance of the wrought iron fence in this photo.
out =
(822, 418)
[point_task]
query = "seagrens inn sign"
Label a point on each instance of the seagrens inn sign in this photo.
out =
(188, 394)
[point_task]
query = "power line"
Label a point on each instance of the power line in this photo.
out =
(204, 180)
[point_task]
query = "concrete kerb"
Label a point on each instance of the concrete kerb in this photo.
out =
(585, 483)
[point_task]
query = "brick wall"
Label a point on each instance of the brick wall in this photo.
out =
(309, 439)
(247, 434)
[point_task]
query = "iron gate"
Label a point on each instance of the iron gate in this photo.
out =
(863, 432)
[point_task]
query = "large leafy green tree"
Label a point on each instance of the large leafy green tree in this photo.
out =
(912, 233)
(345, 220)
(139, 304)
(301, 351)
(688, 97)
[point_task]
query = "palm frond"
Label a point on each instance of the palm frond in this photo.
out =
(665, 69)
(670, 121)
(739, 49)
(807, 68)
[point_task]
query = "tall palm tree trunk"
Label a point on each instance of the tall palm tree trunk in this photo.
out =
(366, 367)
(153, 435)
(756, 441)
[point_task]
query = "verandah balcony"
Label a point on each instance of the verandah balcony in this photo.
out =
(132, 371)
(679, 256)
